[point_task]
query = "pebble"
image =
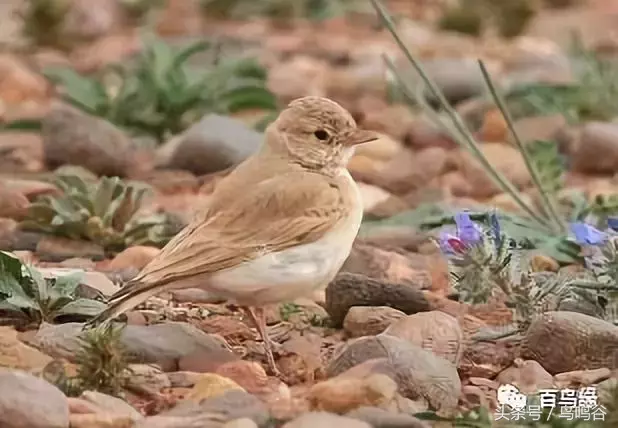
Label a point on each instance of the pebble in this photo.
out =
(28, 401)
(369, 320)
(348, 290)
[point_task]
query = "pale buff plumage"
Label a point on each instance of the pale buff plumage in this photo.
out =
(278, 227)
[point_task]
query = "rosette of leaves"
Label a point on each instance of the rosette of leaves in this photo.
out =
(24, 292)
(105, 211)
(160, 94)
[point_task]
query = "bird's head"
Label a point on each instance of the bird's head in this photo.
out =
(316, 133)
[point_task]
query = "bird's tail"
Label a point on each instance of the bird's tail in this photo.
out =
(131, 295)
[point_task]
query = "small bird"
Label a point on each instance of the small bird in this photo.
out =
(278, 227)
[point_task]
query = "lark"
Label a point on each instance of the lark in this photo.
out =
(278, 227)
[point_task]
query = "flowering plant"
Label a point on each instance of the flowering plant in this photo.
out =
(482, 260)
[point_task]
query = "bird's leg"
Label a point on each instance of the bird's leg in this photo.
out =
(259, 319)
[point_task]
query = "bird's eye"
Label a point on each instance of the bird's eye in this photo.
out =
(321, 135)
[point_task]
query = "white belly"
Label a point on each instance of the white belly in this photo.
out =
(291, 273)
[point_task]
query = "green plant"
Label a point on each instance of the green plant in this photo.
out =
(510, 18)
(106, 211)
(462, 19)
(102, 360)
(590, 97)
(161, 95)
(24, 291)
(43, 21)
(543, 224)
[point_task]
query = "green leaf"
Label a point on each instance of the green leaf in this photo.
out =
(67, 284)
(41, 285)
(85, 307)
(104, 195)
(88, 94)
(546, 158)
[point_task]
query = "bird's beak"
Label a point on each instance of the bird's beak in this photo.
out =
(360, 136)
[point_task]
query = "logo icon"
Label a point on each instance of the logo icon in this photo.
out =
(509, 395)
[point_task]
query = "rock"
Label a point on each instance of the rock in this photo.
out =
(146, 344)
(343, 395)
(380, 418)
(487, 359)
(16, 355)
(13, 204)
(423, 133)
(349, 289)
(458, 79)
(324, 419)
(529, 376)
(133, 257)
(534, 128)
(504, 158)
(300, 76)
(543, 263)
(579, 378)
(183, 379)
(147, 378)
(434, 331)
(372, 196)
(233, 404)
(21, 151)
(110, 405)
(394, 120)
(27, 401)
(195, 295)
(211, 385)
(87, 20)
(99, 420)
(369, 320)
(73, 137)
(222, 141)
(578, 342)
(55, 248)
(595, 138)
(240, 423)
(409, 170)
(383, 149)
(248, 375)
(387, 265)
(110, 49)
(205, 360)
(18, 83)
(418, 373)
(494, 128)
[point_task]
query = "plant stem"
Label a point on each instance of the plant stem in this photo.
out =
(466, 140)
(549, 203)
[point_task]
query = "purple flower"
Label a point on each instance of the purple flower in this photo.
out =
(612, 223)
(450, 244)
(586, 234)
(467, 231)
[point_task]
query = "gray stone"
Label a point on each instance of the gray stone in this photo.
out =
(380, 418)
(213, 144)
(419, 373)
(324, 419)
(349, 289)
(145, 344)
(28, 401)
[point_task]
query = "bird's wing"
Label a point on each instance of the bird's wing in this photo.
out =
(275, 214)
